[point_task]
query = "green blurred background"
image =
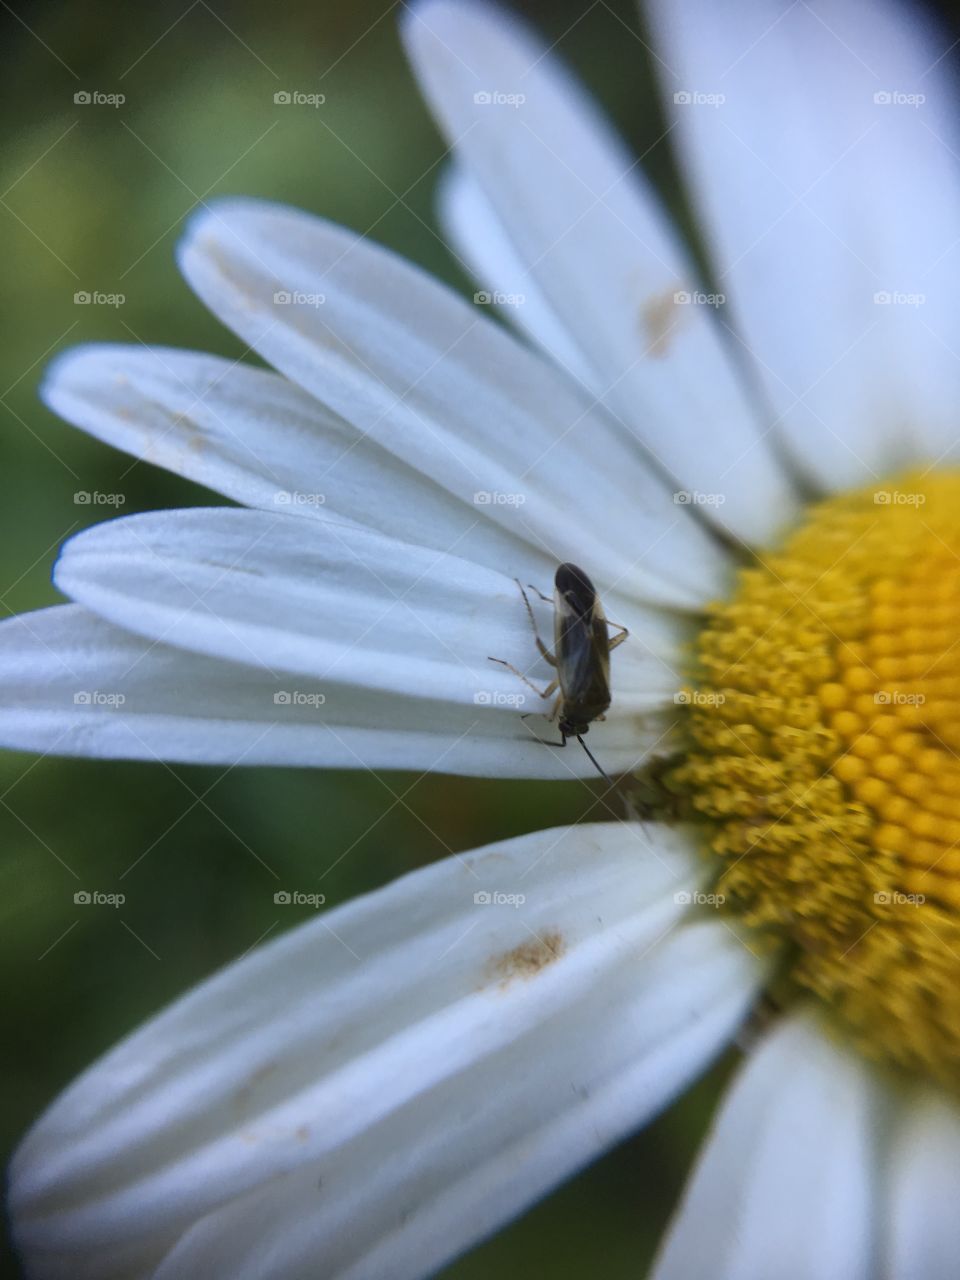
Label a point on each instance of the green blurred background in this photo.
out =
(94, 199)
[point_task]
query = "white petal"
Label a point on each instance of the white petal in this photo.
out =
(262, 441)
(72, 684)
(473, 228)
(600, 249)
(783, 1186)
(818, 198)
(924, 1226)
(434, 380)
(337, 603)
(378, 1089)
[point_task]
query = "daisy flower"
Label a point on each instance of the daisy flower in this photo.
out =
(760, 477)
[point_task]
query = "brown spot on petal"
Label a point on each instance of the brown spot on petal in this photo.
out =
(193, 434)
(527, 960)
(661, 319)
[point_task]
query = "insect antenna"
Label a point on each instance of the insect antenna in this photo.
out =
(593, 758)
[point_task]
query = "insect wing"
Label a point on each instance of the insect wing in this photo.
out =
(582, 648)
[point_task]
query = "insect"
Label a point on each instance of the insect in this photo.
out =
(581, 655)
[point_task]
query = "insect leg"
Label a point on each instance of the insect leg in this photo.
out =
(544, 651)
(543, 741)
(542, 693)
(621, 637)
(547, 599)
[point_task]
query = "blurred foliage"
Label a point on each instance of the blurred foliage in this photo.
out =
(94, 199)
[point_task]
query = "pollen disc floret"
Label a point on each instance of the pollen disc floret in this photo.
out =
(823, 761)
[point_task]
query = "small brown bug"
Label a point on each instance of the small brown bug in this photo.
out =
(582, 647)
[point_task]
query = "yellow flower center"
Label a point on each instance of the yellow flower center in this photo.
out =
(823, 730)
